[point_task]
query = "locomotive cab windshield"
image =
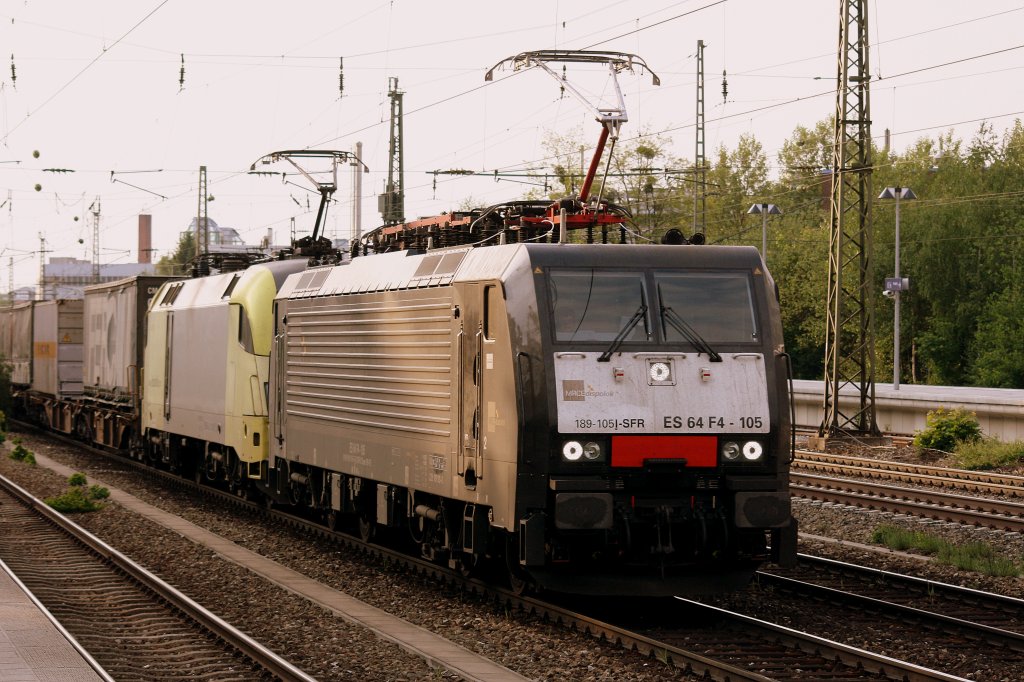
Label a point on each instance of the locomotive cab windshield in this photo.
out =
(610, 306)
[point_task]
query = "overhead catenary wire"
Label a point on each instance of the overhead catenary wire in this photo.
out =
(192, 82)
(74, 78)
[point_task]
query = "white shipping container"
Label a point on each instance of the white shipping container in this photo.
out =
(20, 355)
(57, 348)
(114, 318)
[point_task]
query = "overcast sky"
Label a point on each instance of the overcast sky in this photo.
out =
(97, 90)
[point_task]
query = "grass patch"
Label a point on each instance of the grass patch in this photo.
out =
(978, 557)
(896, 538)
(78, 497)
(988, 453)
(22, 454)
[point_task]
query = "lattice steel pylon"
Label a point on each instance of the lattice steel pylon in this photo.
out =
(849, 334)
(202, 217)
(700, 171)
(95, 209)
(392, 202)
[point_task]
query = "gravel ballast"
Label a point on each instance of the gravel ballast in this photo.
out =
(323, 645)
(330, 649)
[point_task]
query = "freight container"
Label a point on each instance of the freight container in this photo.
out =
(115, 323)
(57, 348)
(18, 350)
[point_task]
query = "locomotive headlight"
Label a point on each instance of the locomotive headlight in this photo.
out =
(659, 371)
(592, 451)
(572, 451)
(752, 451)
(730, 451)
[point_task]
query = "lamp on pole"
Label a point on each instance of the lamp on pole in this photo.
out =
(895, 285)
(765, 210)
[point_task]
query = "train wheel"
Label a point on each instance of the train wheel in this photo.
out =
(468, 564)
(367, 527)
(332, 520)
(517, 581)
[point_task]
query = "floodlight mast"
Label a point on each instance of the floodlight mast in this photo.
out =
(610, 118)
(326, 189)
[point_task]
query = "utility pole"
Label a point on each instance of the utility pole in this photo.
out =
(357, 194)
(700, 187)
(95, 209)
(849, 331)
(202, 221)
(41, 296)
(391, 204)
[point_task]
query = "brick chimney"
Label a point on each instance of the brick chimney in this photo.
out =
(145, 238)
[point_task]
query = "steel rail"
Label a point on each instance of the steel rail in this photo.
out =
(952, 624)
(233, 637)
(681, 658)
(1005, 516)
(893, 668)
(1002, 484)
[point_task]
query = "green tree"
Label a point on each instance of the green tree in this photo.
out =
(998, 355)
(177, 263)
(643, 177)
(737, 178)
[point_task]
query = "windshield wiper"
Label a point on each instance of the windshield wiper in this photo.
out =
(689, 333)
(617, 341)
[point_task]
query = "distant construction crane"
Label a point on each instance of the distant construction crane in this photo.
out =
(391, 203)
(849, 332)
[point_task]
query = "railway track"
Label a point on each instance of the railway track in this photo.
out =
(133, 624)
(750, 648)
(702, 651)
(932, 504)
(920, 474)
(992, 621)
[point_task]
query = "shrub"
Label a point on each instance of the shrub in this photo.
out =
(989, 453)
(78, 498)
(945, 429)
(98, 492)
(22, 454)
